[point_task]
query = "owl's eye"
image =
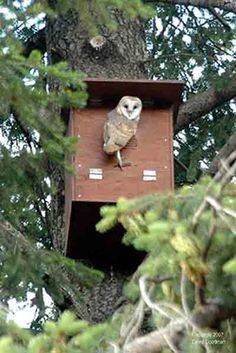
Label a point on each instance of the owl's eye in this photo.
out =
(126, 106)
(135, 106)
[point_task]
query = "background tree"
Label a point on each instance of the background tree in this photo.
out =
(113, 39)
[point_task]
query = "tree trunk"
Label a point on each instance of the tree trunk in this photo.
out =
(122, 55)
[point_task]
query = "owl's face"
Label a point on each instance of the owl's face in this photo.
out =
(130, 107)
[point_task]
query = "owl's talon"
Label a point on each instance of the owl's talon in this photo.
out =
(118, 166)
(124, 164)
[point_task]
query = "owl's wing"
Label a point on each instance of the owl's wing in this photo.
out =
(117, 132)
(108, 146)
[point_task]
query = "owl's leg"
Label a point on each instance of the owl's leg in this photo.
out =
(119, 160)
(121, 163)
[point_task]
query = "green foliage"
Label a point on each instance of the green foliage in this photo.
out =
(183, 233)
(33, 142)
(175, 236)
(47, 271)
(193, 45)
(162, 225)
(96, 13)
(131, 290)
(230, 266)
(33, 139)
(67, 335)
(32, 132)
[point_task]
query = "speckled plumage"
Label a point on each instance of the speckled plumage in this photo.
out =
(118, 131)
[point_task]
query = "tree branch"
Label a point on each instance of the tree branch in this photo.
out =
(220, 19)
(227, 5)
(203, 103)
(224, 152)
(209, 315)
(206, 316)
(36, 41)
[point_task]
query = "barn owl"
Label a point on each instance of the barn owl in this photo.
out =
(121, 126)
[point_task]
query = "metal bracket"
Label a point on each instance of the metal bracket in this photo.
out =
(95, 173)
(149, 175)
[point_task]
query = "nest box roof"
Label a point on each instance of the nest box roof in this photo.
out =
(162, 93)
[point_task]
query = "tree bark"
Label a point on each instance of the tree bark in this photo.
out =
(207, 316)
(224, 152)
(203, 103)
(121, 56)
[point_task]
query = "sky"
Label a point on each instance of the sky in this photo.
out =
(24, 313)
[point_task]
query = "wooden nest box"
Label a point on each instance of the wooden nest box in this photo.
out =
(97, 181)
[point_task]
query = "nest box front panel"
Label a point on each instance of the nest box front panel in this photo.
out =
(150, 153)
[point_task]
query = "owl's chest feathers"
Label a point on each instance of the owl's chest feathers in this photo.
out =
(124, 125)
(126, 129)
(119, 130)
